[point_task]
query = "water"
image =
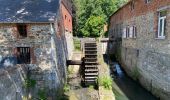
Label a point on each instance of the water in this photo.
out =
(131, 90)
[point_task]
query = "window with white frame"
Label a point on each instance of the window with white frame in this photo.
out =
(133, 32)
(161, 24)
(124, 33)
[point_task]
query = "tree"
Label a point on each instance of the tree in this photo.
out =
(91, 15)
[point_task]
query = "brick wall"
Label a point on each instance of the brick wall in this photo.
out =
(67, 18)
(68, 28)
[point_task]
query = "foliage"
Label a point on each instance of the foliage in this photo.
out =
(66, 88)
(93, 26)
(90, 16)
(42, 95)
(105, 81)
(29, 83)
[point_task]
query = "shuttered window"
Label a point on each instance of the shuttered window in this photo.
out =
(134, 33)
(131, 32)
(127, 32)
(124, 33)
(23, 55)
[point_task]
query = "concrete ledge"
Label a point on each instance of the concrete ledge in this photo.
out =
(105, 94)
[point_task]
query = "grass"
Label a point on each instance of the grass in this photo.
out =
(77, 45)
(70, 70)
(106, 82)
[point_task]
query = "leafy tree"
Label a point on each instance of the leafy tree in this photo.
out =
(91, 15)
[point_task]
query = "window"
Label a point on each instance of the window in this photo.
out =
(134, 33)
(137, 53)
(161, 24)
(22, 29)
(132, 5)
(23, 55)
(124, 33)
(127, 32)
(148, 1)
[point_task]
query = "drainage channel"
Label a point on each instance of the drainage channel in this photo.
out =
(131, 90)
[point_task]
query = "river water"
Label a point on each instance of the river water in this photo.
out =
(126, 88)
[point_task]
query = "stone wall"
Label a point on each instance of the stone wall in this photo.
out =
(12, 83)
(145, 58)
(70, 44)
(48, 60)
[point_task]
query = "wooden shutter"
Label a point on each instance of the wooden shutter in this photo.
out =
(124, 33)
(33, 57)
(15, 52)
(15, 32)
(131, 32)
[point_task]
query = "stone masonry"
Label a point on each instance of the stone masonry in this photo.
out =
(145, 58)
(48, 59)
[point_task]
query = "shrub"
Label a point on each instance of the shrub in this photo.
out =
(29, 83)
(105, 81)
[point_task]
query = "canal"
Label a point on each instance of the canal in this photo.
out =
(125, 88)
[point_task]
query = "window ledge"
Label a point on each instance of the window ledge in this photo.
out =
(160, 38)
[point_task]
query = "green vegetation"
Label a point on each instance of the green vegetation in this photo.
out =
(90, 16)
(77, 44)
(135, 73)
(91, 88)
(70, 70)
(29, 83)
(105, 81)
(42, 95)
(66, 88)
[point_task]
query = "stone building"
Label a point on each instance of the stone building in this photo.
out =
(33, 46)
(141, 33)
